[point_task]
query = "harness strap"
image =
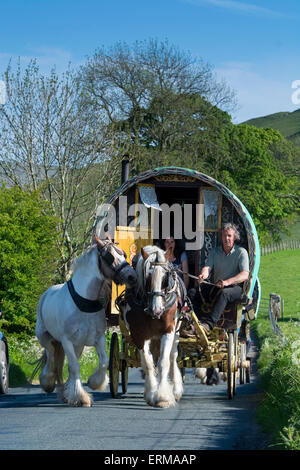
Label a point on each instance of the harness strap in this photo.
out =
(85, 305)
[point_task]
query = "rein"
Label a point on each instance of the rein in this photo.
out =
(195, 277)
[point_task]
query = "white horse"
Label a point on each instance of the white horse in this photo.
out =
(151, 315)
(72, 315)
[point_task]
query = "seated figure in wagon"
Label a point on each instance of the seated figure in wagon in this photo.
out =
(230, 264)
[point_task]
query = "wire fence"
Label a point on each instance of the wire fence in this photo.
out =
(287, 245)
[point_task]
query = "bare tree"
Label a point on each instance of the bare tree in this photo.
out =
(54, 140)
(153, 94)
(122, 78)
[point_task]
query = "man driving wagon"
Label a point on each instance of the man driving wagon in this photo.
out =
(230, 265)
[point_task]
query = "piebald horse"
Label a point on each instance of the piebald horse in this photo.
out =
(151, 315)
(72, 315)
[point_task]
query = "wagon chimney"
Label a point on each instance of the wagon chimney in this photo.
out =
(125, 169)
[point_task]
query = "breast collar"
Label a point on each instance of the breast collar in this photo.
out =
(84, 305)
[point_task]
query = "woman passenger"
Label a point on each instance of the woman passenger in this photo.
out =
(178, 258)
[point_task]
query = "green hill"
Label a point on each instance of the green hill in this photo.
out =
(287, 123)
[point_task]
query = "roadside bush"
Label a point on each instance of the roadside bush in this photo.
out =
(27, 257)
(279, 368)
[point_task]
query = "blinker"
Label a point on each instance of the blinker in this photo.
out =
(108, 258)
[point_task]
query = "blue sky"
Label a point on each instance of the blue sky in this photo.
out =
(254, 45)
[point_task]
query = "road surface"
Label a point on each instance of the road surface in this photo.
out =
(204, 419)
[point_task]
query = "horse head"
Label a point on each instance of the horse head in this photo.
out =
(159, 282)
(113, 264)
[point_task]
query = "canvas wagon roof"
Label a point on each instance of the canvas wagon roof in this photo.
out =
(241, 209)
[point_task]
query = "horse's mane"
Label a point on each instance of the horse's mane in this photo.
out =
(143, 266)
(82, 259)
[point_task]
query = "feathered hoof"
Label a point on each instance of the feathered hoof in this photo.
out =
(163, 404)
(150, 398)
(177, 398)
(47, 383)
(80, 403)
(178, 394)
(96, 383)
(87, 405)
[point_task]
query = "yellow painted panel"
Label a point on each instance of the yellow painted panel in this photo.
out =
(131, 241)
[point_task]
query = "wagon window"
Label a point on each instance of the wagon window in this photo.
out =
(212, 201)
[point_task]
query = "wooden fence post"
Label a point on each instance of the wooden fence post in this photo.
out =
(275, 305)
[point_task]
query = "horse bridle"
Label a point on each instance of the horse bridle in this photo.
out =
(109, 259)
(169, 293)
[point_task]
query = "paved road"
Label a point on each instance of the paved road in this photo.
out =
(204, 419)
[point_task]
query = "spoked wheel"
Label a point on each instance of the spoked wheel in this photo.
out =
(114, 365)
(124, 375)
(124, 366)
(231, 364)
(243, 360)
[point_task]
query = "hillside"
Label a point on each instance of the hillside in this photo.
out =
(287, 123)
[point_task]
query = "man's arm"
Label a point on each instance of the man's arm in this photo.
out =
(240, 277)
(205, 272)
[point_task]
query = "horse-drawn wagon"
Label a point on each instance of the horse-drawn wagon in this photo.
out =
(192, 207)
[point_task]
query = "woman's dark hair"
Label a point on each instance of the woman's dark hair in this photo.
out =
(179, 246)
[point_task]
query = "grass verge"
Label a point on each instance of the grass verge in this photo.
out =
(279, 363)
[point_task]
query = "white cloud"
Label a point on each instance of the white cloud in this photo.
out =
(257, 94)
(247, 8)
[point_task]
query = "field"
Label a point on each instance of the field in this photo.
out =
(279, 363)
(280, 273)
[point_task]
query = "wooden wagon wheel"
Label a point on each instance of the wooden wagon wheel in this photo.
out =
(231, 364)
(243, 359)
(124, 375)
(114, 365)
(124, 366)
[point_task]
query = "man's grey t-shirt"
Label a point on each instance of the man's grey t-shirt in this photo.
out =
(227, 266)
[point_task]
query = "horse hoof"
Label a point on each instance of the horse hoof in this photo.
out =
(163, 404)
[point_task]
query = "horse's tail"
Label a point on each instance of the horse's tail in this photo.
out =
(59, 357)
(39, 365)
